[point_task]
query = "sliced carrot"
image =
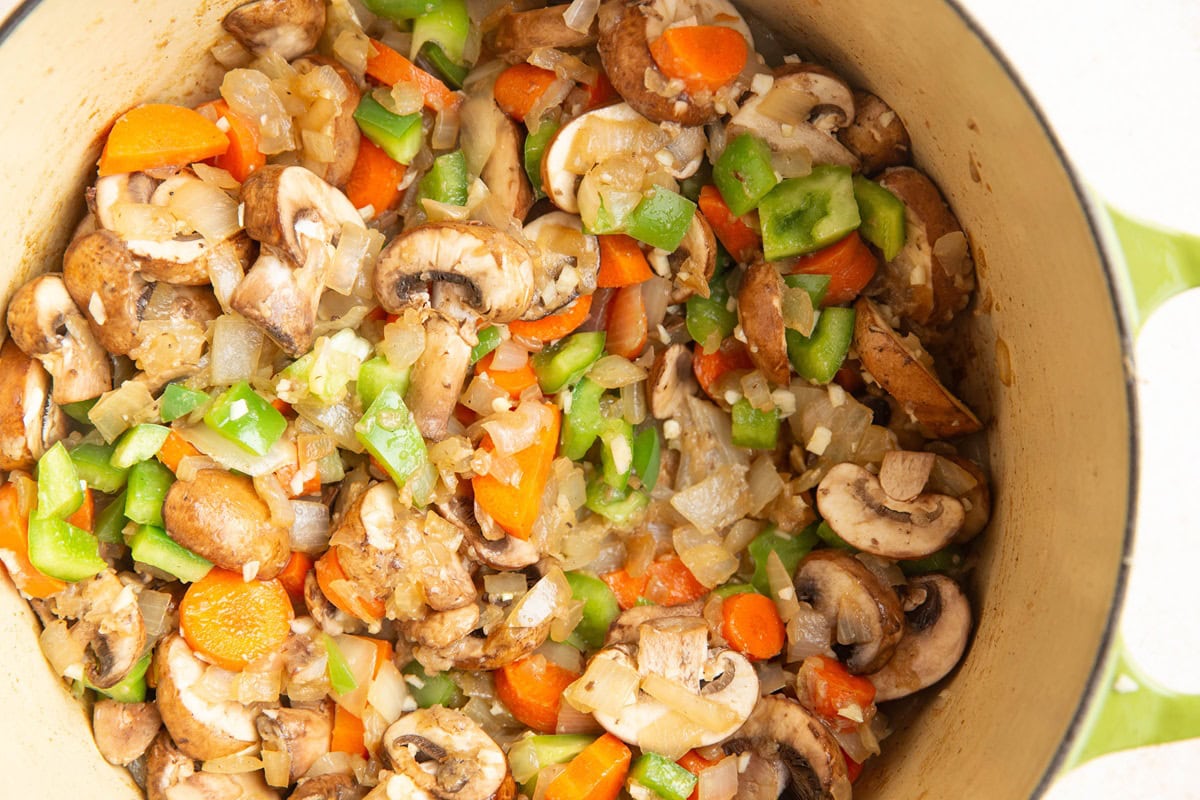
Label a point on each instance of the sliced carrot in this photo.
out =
(519, 87)
(628, 329)
(704, 57)
(670, 583)
(242, 158)
(175, 449)
(532, 689)
(388, 66)
(294, 573)
(826, 687)
(709, 367)
(85, 516)
(14, 548)
(160, 135)
(695, 763)
(751, 625)
(622, 262)
(283, 407)
(516, 508)
(597, 773)
(337, 589)
(348, 735)
(626, 587)
(601, 93)
(513, 381)
(554, 326)
(231, 621)
(848, 262)
(853, 768)
(735, 235)
(375, 179)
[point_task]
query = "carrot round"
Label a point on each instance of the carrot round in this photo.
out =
(554, 326)
(333, 583)
(513, 381)
(242, 158)
(670, 583)
(160, 135)
(848, 262)
(826, 687)
(388, 66)
(232, 622)
(735, 235)
(704, 57)
(628, 328)
(375, 179)
(751, 625)
(14, 548)
(532, 689)
(622, 262)
(516, 508)
(519, 87)
(709, 367)
(597, 773)
(294, 573)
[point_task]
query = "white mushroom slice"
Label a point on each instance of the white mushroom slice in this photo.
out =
(675, 648)
(854, 504)
(566, 264)
(693, 262)
(503, 553)
(519, 33)
(29, 422)
(108, 624)
(671, 381)
(781, 727)
(302, 733)
(172, 775)
(626, 627)
(289, 28)
(904, 473)
(504, 171)
(111, 191)
(938, 629)
(447, 755)
(123, 731)
(335, 786)
(329, 618)
(441, 629)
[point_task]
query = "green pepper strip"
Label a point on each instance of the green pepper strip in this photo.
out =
(431, 690)
(618, 507)
(535, 147)
(647, 457)
(242, 416)
(341, 677)
(790, 549)
(397, 10)
(600, 608)
(744, 173)
(581, 425)
(566, 361)
(883, 222)
(802, 215)
(709, 322)
(58, 491)
(661, 219)
(948, 559)
(446, 181)
(398, 136)
(530, 754)
(377, 374)
(818, 357)
(389, 433)
(131, 688)
(145, 491)
(816, 285)
(78, 411)
(151, 545)
(138, 444)
(93, 462)
(827, 535)
(616, 453)
(489, 339)
(452, 73)
(60, 550)
(178, 400)
(110, 522)
(448, 25)
(662, 776)
(752, 428)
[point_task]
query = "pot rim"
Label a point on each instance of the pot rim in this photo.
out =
(1112, 261)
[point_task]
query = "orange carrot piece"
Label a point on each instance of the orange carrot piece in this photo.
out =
(294, 573)
(375, 179)
(670, 583)
(601, 93)
(704, 57)
(853, 768)
(554, 326)
(348, 734)
(628, 329)
(516, 508)
(233, 621)
(14, 548)
(336, 588)
(626, 587)
(85, 516)
(175, 449)
(283, 407)
(735, 235)
(597, 773)
(519, 87)
(622, 262)
(383, 652)
(751, 625)
(709, 367)
(826, 687)
(532, 689)
(513, 381)
(848, 262)
(242, 158)
(388, 66)
(160, 135)
(695, 763)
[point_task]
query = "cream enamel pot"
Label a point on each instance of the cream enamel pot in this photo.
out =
(1047, 365)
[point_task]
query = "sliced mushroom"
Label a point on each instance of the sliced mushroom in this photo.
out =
(977, 501)
(519, 33)
(343, 128)
(123, 731)
(877, 135)
(937, 412)
(331, 786)
(302, 733)
(171, 775)
(863, 613)
(29, 422)
(329, 618)
(203, 730)
(781, 727)
(441, 629)
(504, 171)
(566, 265)
(447, 755)
(109, 624)
(938, 628)
(501, 552)
(671, 381)
(760, 312)
(438, 375)
(694, 261)
(858, 509)
(625, 628)
(102, 277)
(46, 324)
(289, 28)
(763, 778)
(219, 516)
(925, 283)
(111, 193)
(800, 113)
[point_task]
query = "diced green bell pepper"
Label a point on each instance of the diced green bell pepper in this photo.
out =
(616, 452)
(709, 322)
(448, 25)
(752, 428)
(452, 73)
(431, 690)
(662, 776)
(818, 357)
(59, 549)
(110, 521)
(138, 444)
(744, 173)
(566, 361)
(581, 425)
(827, 535)
(59, 492)
(618, 507)
(789, 547)
(178, 400)
(883, 222)
(446, 181)
(730, 589)
(489, 339)
(93, 462)
(948, 559)
(341, 677)
(535, 148)
(397, 135)
(242, 416)
(600, 608)
(661, 219)
(131, 688)
(802, 215)
(389, 433)
(151, 545)
(145, 491)
(377, 374)
(647, 457)
(816, 285)
(78, 411)
(397, 10)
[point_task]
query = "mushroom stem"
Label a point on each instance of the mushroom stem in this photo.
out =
(438, 376)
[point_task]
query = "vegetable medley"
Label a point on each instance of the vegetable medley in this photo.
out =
(474, 401)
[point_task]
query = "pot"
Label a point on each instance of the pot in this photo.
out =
(1060, 439)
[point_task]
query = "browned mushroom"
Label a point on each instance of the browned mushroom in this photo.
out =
(301, 733)
(781, 728)
(442, 753)
(671, 381)
(877, 135)
(287, 27)
(760, 312)
(123, 731)
(29, 422)
(519, 33)
(693, 261)
(504, 171)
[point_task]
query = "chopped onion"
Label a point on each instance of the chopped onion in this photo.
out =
(808, 634)
(633, 402)
(509, 356)
(756, 390)
(514, 431)
(261, 685)
(232, 765)
(277, 767)
(613, 372)
(949, 478)
(741, 534)
(503, 587)
(204, 208)
(656, 296)
(572, 485)
(217, 685)
(128, 404)
(715, 502)
(155, 607)
(142, 221)
(215, 176)
(720, 781)
(352, 252)
(388, 694)
(445, 128)
(704, 711)
(702, 553)
(478, 123)
(564, 655)
(798, 310)
(888, 572)
(252, 97)
(231, 455)
(360, 656)
(337, 420)
(64, 652)
(572, 720)
(403, 340)
(951, 252)
(764, 482)
(792, 163)
(335, 763)
(607, 685)
(310, 529)
(771, 677)
(566, 622)
(788, 103)
(566, 66)
(482, 394)
(546, 777)
(237, 345)
(225, 273)
(580, 14)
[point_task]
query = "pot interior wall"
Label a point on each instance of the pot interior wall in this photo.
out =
(1044, 363)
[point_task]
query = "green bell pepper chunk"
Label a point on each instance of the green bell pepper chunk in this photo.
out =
(647, 457)
(138, 444)
(662, 776)
(949, 559)
(377, 374)
(78, 410)
(489, 339)
(145, 491)
(818, 357)
(757, 430)
(431, 690)
(131, 688)
(110, 521)
(883, 218)
(582, 424)
(397, 135)
(151, 545)
(397, 10)
(709, 321)
(816, 285)
(93, 462)
(59, 492)
(446, 181)
(448, 25)
(616, 452)
(389, 433)
(744, 173)
(801, 215)
(530, 754)
(661, 219)
(730, 589)
(341, 677)
(600, 608)
(566, 361)
(59, 549)
(827, 535)
(618, 507)
(452, 73)
(242, 416)
(535, 147)
(178, 400)
(789, 547)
